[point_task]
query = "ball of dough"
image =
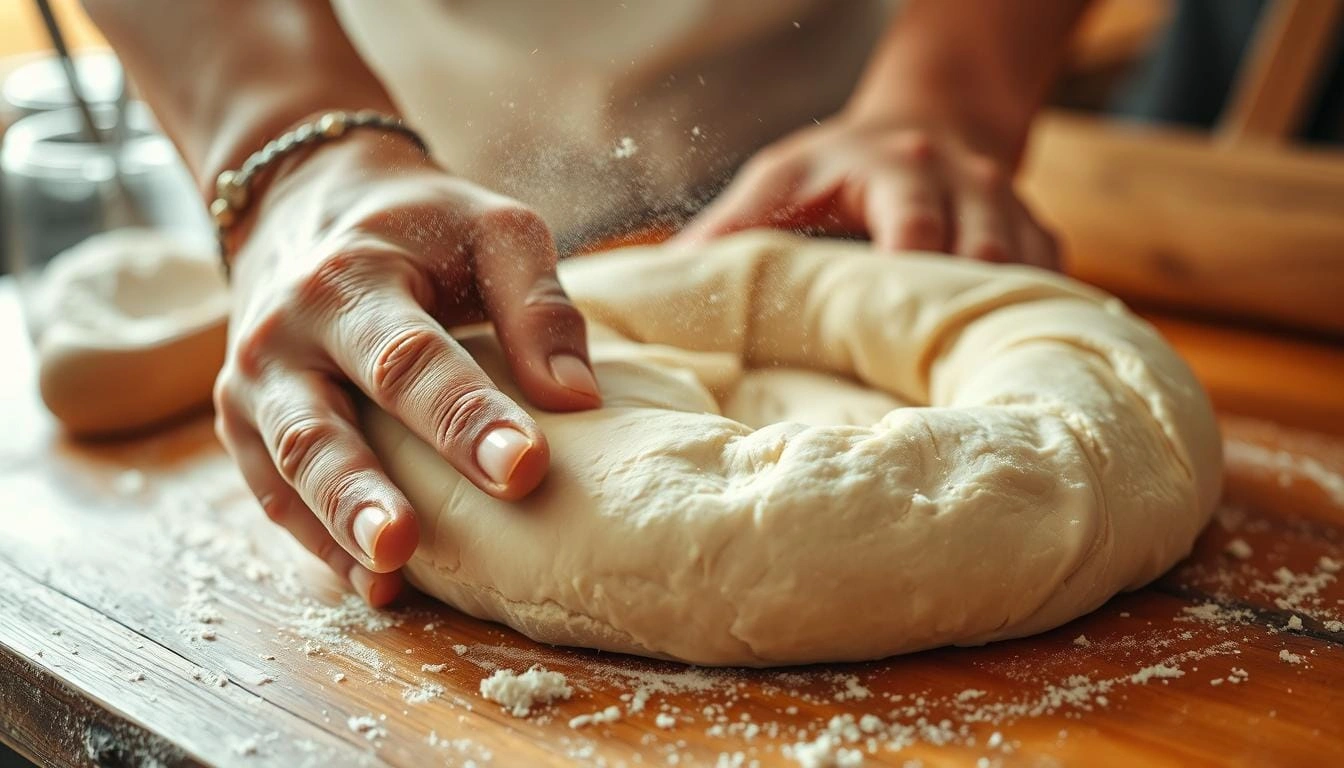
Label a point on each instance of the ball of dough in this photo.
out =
(130, 331)
(810, 452)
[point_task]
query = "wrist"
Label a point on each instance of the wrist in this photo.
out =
(324, 176)
(914, 82)
(985, 127)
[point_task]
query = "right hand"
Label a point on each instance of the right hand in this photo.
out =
(351, 264)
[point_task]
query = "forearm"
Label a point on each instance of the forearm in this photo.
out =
(224, 77)
(984, 66)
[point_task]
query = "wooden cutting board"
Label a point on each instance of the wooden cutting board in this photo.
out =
(149, 612)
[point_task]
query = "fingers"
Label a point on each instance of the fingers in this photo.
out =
(282, 504)
(759, 196)
(906, 212)
(541, 331)
(1036, 245)
(985, 228)
(307, 427)
(405, 361)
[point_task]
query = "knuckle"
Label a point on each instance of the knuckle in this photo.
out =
(334, 283)
(514, 221)
(987, 175)
(920, 227)
(989, 250)
(464, 412)
(548, 294)
(913, 148)
(298, 443)
(253, 347)
(342, 496)
(400, 359)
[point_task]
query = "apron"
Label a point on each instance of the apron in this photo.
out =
(602, 113)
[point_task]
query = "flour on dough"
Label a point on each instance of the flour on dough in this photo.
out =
(811, 452)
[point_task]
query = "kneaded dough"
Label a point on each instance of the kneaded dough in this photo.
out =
(812, 452)
(130, 331)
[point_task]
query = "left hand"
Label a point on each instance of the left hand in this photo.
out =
(905, 186)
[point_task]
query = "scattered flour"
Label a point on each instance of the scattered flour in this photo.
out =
(1289, 465)
(609, 715)
(1239, 549)
(366, 726)
(665, 721)
(129, 482)
(1157, 671)
(422, 693)
(209, 678)
(518, 693)
(1297, 591)
(825, 751)
(1213, 613)
(625, 148)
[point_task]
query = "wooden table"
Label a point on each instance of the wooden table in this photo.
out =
(148, 611)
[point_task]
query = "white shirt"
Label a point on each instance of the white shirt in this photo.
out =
(596, 111)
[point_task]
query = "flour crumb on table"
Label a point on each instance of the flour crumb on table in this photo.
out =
(247, 747)
(209, 678)
(1294, 624)
(129, 482)
(609, 715)
(135, 677)
(433, 667)
(1239, 549)
(1082, 642)
(1157, 671)
(422, 693)
(366, 726)
(665, 721)
(518, 693)
(1289, 657)
(825, 751)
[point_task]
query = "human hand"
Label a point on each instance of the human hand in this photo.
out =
(355, 260)
(905, 186)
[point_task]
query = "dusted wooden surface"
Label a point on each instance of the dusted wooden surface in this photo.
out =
(112, 554)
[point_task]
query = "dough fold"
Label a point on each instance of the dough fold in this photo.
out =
(810, 452)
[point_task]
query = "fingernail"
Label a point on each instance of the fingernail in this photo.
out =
(573, 373)
(369, 525)
(499, 453)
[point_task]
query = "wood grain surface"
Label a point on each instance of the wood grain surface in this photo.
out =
(149, 612)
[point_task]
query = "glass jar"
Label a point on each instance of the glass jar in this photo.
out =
(58, 188)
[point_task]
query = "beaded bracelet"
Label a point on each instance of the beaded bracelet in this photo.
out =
(233, 188)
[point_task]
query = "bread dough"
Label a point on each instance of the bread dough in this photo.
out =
(757, 492)
(130, 331)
